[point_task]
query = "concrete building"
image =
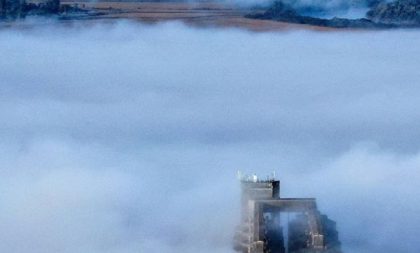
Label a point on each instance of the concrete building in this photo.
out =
(265, 229)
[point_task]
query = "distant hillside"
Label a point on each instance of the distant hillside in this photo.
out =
(285, 13)
(401, 13)
(406, 12)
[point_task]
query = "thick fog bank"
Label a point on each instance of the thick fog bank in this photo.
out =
(126, 138)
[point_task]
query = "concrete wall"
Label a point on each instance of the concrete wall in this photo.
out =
(260, 197)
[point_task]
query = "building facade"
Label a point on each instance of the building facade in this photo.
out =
(266, 226)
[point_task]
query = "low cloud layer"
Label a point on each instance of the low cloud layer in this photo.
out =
(328, 4)
(126, 138)
(351, 9)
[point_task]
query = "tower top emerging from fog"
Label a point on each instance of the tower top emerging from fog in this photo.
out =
(261, 231)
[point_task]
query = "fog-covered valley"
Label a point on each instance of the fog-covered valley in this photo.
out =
(126, 137)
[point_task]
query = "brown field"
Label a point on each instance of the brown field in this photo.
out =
(208, 14)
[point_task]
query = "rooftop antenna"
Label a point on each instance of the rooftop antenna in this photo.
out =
(239, 175)
(254, 178)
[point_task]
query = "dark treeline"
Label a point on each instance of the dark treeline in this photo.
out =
(21, 8)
